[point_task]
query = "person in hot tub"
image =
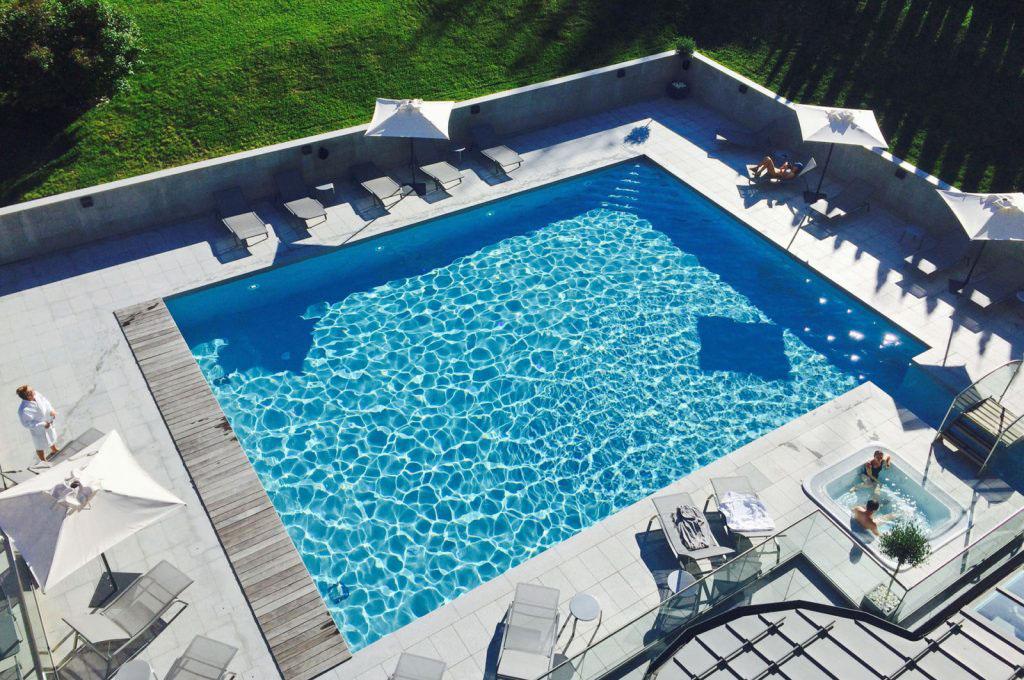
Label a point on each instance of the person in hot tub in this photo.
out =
(865, 516)
(878, 464)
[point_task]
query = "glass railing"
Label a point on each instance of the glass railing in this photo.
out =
(23, 645)
(992, 549)
(745, 579)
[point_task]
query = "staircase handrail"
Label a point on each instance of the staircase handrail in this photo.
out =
(945, 419)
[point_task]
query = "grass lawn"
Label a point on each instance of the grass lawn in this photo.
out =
(945, 76)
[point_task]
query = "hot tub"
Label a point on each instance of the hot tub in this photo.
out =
(901, 494)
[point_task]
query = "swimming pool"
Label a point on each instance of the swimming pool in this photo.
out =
(434, 406)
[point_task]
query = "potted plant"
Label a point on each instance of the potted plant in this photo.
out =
(678, 89)
(905, 544)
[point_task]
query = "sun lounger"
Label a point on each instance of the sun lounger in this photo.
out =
(415, 667)
(666, 512)
(739, 486)
(294, 194)
(123, 628)
(849, 201)
(505, 159)
(445, 175)
(386, 191)
(768, 180)
(244, 224)
(204, 659)
(528, 639)
(935, 257)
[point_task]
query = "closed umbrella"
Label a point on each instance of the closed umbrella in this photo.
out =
(413, 119)
(830, 125)
(986, 217)
(72, 513)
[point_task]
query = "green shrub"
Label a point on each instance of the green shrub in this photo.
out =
(685, 46)
(56, 53)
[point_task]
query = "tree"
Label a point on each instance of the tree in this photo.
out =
(56, 53)
(906, 544)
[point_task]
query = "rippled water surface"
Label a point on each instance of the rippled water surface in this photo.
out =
(431, 408)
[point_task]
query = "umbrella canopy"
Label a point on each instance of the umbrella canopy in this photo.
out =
(73, 512)
(413, 118)
(988, 217)
(831, 125)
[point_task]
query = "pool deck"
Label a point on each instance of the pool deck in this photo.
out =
(58, 331)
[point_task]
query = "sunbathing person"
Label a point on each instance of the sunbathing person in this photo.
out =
(783, 172)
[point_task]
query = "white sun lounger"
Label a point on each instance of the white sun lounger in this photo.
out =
(242, 221)
(665, 512)
(505, 159)
(528, 639)
(739, 485)
(445, 175)
(203, 659)
(415, 667)
(295, 196)
(386, 191)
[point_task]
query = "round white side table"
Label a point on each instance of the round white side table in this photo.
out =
(136, 669)
(582, 607)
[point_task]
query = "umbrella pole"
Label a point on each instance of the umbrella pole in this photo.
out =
(958, 286)
(110, 575)
(812, 197)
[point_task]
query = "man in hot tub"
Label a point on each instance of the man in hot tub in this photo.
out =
(865, 516)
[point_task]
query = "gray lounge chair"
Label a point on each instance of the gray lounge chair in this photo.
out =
(244, 224)
(767, 180)
(385, 191)
(445, 175)
(414, 667)
(295, 196)
(528, 639)
(666, 513)
(504, 159)
(121, 630)
(740, 485)
(847, 202)
(204, 659)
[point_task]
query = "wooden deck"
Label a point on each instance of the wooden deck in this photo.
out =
(298, 629)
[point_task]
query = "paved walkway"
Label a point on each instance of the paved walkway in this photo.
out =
(57, 331)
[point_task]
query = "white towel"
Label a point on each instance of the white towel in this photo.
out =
(745, 513)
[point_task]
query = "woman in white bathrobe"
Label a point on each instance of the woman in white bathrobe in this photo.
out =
(37, 415)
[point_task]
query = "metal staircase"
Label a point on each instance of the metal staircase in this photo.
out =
(979, 423)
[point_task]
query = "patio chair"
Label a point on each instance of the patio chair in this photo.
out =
(742, 486)
(445, 175)
(504, 159)
(415, 667)
(117, 633)
(295, 196)
(386, 192)
(90, 436)
(235, 214)
(528, 639)
(847, 202)
(666, 508)
(767, 180)
(203, 659)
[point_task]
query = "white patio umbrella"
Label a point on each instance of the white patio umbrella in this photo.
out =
(72, 513)
(986, 217)
(831, 125)
(410, 118)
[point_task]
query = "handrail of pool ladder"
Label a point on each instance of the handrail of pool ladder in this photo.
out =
(969, 387)
(999, 440)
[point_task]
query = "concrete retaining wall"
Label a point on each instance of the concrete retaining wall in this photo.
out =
(163, 197)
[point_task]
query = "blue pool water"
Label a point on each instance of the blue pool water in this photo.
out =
(432, 407)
